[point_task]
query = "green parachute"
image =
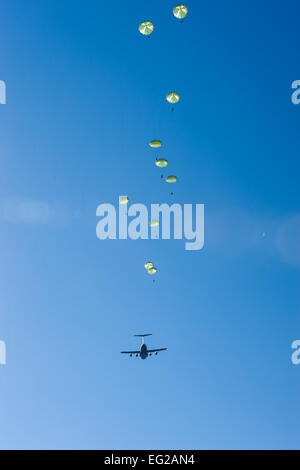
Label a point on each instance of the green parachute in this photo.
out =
(173, 97)
(171, 179)
(123, 200)
(155, 143)
(154, 223)
(150, 268)
(146, 28)
(180, 11)
(148, 265)
(161, 162)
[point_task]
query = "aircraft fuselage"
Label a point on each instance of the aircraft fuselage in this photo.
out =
(143, 351)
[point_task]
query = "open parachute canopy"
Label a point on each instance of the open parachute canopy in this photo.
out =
(152, 270)
(148, 265)
(180, 11)
(154, 223)
(123, 200)
(146, 28)
(173, 97)
(155, 143)
(161, 162)
(171, 179)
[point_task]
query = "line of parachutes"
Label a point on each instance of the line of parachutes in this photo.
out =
(146, 28)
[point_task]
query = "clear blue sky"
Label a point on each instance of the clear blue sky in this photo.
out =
(85, 94)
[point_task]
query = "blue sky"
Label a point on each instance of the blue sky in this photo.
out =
(85, 94)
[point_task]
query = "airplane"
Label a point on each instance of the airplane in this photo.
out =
(144, 352)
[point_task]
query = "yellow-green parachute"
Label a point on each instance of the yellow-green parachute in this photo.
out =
(180, 11)
(173, 97)
(153, 223)
(155, 143)
(161, 162)
(123, 200)
(171, 179)
(146, 28)
(148, 265)
(152, 270)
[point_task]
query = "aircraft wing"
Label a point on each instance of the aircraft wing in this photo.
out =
(156, 350)
(130, 352)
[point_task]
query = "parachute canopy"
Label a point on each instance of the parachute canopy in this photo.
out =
(155, 143)
(148, 265)
(173, 97)
(152, 270)
(146, 28)
(161, 162)
(154, 223)
(180, 11)
(123, 200)
(171, 179)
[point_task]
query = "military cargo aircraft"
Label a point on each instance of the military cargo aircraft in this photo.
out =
(144, 352)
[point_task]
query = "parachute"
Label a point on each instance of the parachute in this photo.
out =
(171, 179)
(146, 28)
(148, 265)
(155, 143)
(152, 270)
(154, 223)
(123, 200)
(173, 97)
(161, 162)
(180, 11)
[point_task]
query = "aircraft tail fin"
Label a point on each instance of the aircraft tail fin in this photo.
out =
(143, 336)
